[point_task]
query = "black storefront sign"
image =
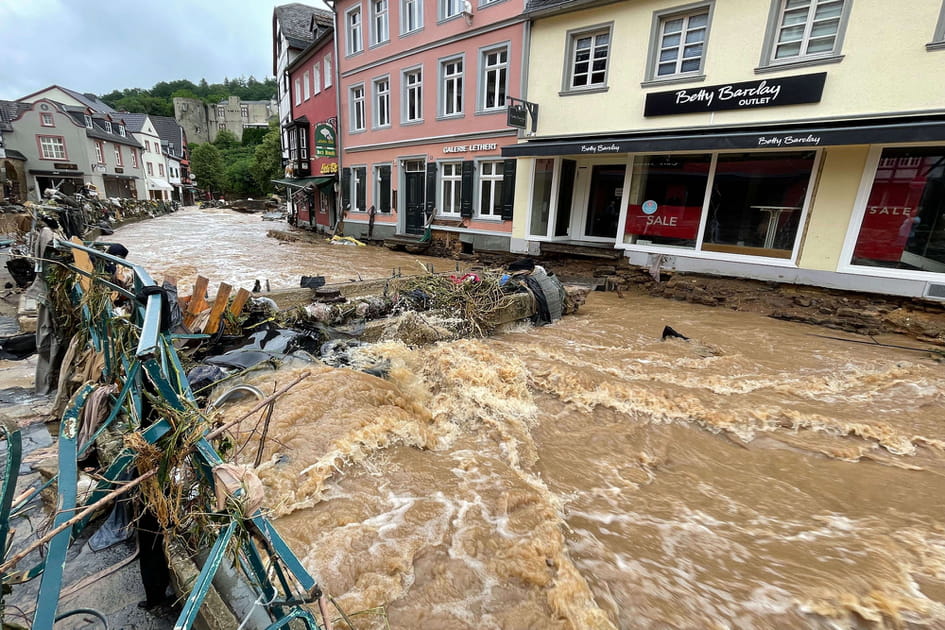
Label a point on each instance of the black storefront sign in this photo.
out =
(517, 116)
(806, 88)
(64, 166)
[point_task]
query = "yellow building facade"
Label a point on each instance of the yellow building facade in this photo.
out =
(787, 140)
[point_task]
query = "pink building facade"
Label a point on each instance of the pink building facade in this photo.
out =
(423, 90)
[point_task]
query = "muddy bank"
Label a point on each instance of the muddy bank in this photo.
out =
(860, 313)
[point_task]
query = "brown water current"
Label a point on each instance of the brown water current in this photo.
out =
(588, 475)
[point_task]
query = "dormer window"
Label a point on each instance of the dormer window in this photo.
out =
(88, 121)
(121, 130)
(108, 126)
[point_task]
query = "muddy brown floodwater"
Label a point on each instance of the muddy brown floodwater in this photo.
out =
(588, 475)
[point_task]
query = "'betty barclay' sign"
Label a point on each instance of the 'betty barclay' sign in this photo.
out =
(806, 88)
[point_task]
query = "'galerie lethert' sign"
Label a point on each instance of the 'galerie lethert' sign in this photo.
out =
(806, 88)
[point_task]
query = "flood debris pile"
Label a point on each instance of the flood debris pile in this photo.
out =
(130, 425)
(69, 216)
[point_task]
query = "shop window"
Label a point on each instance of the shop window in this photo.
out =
(678, 43)
(451, 182)
(756, 202)
(541, 196)
(807, 31)
(903, 226)
(588, 53)
(490, 189)
(667, 193)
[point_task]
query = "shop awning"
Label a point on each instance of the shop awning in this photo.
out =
(156, 183)
(795, 136)
(304, 182)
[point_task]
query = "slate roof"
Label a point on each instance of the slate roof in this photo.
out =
(10, 111)
(88, 99)
(98, 127)
(133, 122)
(170, 133)
(296, 21)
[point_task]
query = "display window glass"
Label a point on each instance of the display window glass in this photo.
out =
(903, 226)
(667, 194)
(756, 202)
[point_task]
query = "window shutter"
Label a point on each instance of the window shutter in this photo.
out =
(345, 189)
(508, 189)
(466, 191)
(362, 187)
(384, 201)
(431, 187)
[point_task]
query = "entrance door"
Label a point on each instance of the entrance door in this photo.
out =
(603, 205)
(565, 194)
(413, 196)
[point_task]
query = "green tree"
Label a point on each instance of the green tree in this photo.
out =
(206, 164)
(267, 159)
(226, 140)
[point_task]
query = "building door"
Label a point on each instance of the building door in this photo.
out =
(414, 173)
(603, 204)
(565, 195)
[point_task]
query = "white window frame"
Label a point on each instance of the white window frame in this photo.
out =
(489, 179)
(108, 127)
(354, 30)
(411, 90)
(457, 78)
(660, 20)
(856, 221)
(316, 78)
(53, 150)
(134, 157)
(380, 21)
(358, 110)
(455, 181)
(938, 37)
(573, 37)
(775, 25)
(121, 130)
(297, 85)
(46, 119)
(450, 9)
(118, 159)
(500, 68)
(306, 86)
(411, 11)
(88, 121)
(328, 75)
(99, 152)
(381, 98)
(356, 174)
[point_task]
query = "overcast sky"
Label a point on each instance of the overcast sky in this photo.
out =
(106, 45)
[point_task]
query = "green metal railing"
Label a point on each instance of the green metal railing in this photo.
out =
(152, 366)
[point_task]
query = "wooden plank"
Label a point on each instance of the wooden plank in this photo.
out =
(197, 303)
(239, 301)
(219, 305)
(84, 262)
